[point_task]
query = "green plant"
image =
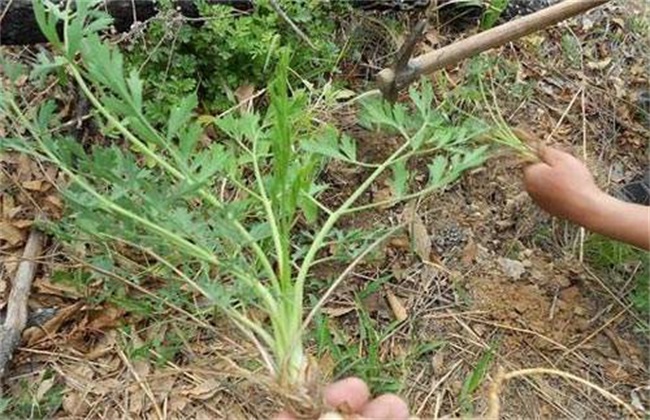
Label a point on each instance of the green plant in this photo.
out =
(36, 400)
(571, 50)
(474, 380)
(229, 50)
(492, 13)
(615, 259)
(222, 218)
(361, 355)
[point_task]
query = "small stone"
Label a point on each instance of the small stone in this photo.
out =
(512, 268)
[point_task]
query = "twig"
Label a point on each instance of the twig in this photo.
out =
(11, 330)
(286, 18)
(142, 384)
(494, 405)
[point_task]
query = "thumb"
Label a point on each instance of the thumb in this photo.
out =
(550, 155)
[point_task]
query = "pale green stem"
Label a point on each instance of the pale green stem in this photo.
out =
(266, 203)
(333, 218)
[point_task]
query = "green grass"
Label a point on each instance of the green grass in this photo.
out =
(492, 13)
(474, 381)
(27, 404)
(361, 350)
(619, 262)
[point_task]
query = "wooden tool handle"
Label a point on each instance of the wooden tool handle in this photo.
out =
(483, 41)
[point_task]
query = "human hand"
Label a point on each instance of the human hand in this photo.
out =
(352, 396)
(562, 185)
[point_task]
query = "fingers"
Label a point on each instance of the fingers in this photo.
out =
(552, 156)
(283, 415)
(350, 394)
(386, 407)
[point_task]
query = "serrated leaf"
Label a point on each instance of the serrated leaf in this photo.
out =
(437, 170)
(47, 20)
(189, 138)
(45, 65)
(349, 147)
(135, 88)
(45, 115)
(375, 112)
(322, 148)
(180, 115)
(422, 98)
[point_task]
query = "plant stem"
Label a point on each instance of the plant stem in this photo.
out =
(334, 217)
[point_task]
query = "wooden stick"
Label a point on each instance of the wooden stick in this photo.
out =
(483, 41)
(11, 330)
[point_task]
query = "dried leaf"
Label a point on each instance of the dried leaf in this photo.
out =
(383, 194)
(599, 65)
(44, 286)
(109, 317)
(10, 234)
(438, 362)
(22, 224)
(396, 305)
(43, 388)
(400, 242)
(244, 95)
(420, 238)
(9, 208)
(35, 334)
(54, 200)
(35, 185)
(336, 312)
(162, 386)
(203, 391)
(469, 252)
(74, 404)
(136, 401)
(177, 403)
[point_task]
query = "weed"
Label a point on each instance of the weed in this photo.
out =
(571, 50)
(473, 381)
(620, 262)
(492, 13)
(363, 356)
(220, 219)
(229, 50)
(32, 402)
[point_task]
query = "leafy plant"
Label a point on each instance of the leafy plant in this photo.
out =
(221, 218)
(230, 49)
(492, 13)
(362, 356)
(612, 257)
(474, 380)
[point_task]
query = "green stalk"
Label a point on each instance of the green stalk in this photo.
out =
(333, 218)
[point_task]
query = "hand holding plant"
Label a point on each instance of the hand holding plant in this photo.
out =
(561, 184)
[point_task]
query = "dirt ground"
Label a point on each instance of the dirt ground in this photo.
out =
(502, 278)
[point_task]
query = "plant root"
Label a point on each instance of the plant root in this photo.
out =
(494, 404)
